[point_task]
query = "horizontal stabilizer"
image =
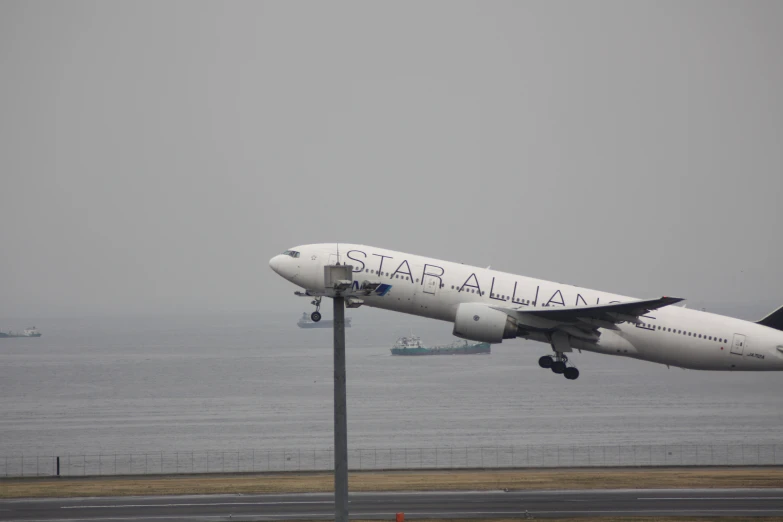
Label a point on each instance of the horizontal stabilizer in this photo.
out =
(774, 320)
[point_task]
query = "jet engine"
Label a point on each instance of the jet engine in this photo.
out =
(478, 322)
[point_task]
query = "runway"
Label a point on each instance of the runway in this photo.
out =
(493, 504)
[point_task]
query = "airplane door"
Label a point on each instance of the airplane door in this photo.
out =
(431, 285)
(424, 291)
(332, 259)
(738, 345)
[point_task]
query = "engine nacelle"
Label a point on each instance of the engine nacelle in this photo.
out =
(479, 322)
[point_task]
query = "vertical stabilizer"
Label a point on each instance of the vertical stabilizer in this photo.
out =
(774, 320)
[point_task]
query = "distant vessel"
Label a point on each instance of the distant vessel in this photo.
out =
(306, 322)
(412, 346)
(28, 332)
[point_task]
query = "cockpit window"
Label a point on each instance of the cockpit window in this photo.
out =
(292, 253)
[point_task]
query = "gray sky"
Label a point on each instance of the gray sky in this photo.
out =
(155, 155)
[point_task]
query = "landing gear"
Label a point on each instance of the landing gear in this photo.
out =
(558, 365)
(316, 316)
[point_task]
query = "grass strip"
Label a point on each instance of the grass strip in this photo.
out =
(451, 480)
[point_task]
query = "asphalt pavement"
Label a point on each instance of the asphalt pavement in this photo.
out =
(483, 504)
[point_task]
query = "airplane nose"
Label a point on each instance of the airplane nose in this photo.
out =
(274, 264)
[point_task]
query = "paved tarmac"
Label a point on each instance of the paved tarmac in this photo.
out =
(486, 505)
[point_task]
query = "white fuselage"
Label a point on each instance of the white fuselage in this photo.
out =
(434, 288)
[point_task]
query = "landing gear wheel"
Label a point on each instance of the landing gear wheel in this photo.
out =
(571, 373)
(545, 361)
(558, 367)
(315, 316)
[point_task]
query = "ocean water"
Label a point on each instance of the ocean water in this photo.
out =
(232, 382)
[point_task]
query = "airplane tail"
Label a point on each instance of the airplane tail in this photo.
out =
(774, 320)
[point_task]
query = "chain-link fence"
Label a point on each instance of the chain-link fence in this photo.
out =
(542, 456)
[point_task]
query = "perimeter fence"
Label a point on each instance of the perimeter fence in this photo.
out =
(541, 456)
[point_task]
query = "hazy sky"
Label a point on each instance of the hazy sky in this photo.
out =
(155, 155)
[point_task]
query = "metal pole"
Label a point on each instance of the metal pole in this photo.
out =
(340, 415)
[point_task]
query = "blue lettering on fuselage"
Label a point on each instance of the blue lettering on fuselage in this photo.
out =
(472, 282)
(361, 269)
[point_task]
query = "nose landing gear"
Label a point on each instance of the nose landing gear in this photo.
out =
(316, 316)
(558, 365)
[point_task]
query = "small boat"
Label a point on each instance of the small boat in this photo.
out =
(411, 345)
(30, 331)
(306, 322)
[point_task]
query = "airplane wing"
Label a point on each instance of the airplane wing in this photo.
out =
(586, 320)
(606, 312)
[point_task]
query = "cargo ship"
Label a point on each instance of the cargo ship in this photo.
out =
(411, 345)
(30, 331)
(306, 322)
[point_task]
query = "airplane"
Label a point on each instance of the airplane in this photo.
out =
(490, 306)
